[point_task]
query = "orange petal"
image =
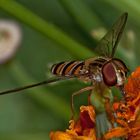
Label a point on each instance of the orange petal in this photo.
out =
(59, 135)
(116, 133)
(82, 129)
(133, 85)
(87, 117)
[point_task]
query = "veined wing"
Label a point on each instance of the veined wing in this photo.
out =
(108, 44)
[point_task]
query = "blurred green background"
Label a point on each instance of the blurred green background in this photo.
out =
(54, 31)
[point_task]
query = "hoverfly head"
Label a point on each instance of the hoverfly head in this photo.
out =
(114, 72)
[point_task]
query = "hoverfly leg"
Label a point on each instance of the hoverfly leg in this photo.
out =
(121, 88)
(89, 98)
(109, 111)
(77, 93)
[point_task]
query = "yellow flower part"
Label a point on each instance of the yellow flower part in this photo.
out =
(81, 129)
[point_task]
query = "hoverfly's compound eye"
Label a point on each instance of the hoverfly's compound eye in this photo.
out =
(109, 74)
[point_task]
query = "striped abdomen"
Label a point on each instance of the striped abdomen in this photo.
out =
(67, 68)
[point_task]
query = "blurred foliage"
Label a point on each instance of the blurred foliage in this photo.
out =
(54, 31)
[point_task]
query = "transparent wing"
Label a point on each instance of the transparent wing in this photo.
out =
(108, 44)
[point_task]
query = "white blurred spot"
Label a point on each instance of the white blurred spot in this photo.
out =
(131, 34)
(10, 38)
(98, 33)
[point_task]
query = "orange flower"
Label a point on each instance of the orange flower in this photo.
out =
(132, 88)
(127, 111)
(116, 133)
(82, 129)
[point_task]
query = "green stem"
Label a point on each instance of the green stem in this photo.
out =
(82, 14)
(127, 5)
(48, 29)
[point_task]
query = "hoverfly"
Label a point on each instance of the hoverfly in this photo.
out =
(105, 68)
(102, 69)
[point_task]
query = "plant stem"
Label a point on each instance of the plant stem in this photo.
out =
(48, 29)
(82, 14)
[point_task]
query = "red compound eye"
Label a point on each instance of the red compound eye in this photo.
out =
(109, 74)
